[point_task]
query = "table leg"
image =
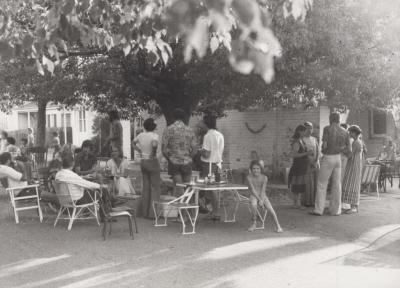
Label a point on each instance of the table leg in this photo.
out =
(236, 201)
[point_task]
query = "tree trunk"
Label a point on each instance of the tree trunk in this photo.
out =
(41, 124)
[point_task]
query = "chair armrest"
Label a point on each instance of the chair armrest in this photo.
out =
(22, 187)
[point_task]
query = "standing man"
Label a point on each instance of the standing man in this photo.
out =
(211, 156)
(179, 147)
(31, 138)
(335, 140)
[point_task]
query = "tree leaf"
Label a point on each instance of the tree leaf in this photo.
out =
(49, 64)
(127, 48)
(214, 44)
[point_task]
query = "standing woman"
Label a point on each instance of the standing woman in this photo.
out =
(147, 143)
(115, 137)
(298, 174)
(352, 177)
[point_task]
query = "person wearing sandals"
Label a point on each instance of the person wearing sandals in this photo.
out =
(351, 185)
(257, 183)
(299, 174)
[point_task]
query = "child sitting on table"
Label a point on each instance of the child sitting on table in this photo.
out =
(257, 183)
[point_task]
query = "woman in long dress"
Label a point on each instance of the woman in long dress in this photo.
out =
(351, 185)
(299, 174)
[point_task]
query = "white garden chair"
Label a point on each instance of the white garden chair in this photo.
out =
(67, 204)
(180, 205)
(25, 202)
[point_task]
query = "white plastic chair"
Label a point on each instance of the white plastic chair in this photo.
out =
(180, 204)
(67, 204)
(15, 199)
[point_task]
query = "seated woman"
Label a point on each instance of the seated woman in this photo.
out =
(388, 150)
(85, 161)
(119, 169)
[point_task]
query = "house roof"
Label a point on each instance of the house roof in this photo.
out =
(32, 106)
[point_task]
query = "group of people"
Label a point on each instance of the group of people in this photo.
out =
(336, 167)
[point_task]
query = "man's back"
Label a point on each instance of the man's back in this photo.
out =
(214, 142)
(178, 143)
(335, 140)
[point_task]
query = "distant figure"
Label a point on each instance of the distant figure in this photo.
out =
(211, 156)
(178, 147)
(116, 134)
(55, 142)
(335, 141)
(299, 172)
(12, 148)
(147, 143)
(352, 179)
(85, 161)
(257, 183)
(388, 150)
(313, 165)
(23, 147)
(3, 141)
(119, 169)
(31, 138)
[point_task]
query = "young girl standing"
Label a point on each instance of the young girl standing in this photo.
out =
(258, 184)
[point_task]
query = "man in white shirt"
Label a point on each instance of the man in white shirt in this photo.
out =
(76, 183)
(13, 177)
(211, 155)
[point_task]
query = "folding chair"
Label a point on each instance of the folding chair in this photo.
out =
(24, 199)
(67, 203)
(371, 175)
(180, 204)
(261, 212)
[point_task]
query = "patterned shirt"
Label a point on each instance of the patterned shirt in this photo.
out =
(179, 143)
(335, 140)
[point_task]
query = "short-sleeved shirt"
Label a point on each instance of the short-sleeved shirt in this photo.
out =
(213, 142)
(144, 141)
(337, 139)
(85, 163)
(13, 176)
(178, 143)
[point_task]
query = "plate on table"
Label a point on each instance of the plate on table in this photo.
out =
(200, 181)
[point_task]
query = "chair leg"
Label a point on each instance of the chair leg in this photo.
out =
(71, 220)
(96, 214)
(377, 191)
(58, 215)
(134, 220)
(130, 227)
(16, 215)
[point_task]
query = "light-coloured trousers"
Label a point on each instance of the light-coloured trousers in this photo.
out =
(330, 168)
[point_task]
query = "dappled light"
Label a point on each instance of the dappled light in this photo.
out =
(253, 246)
(105, 278)
(24, 265)
(67, 276)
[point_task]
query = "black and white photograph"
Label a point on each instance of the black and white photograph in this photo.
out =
(200, 143)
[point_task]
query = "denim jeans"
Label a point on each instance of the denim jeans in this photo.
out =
(330, 166)
(151, 185)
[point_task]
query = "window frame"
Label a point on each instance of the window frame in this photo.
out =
(372, 124)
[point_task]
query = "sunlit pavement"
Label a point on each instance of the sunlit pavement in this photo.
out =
(360, 250)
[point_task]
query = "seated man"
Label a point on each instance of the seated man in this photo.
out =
(76, 183)
(85, 161)
(8, 172)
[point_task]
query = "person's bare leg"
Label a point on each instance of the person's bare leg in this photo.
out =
(271, 210)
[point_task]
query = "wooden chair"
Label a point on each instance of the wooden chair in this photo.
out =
(110, 213)
(371, 175)
(67, 203)
(180, 204)
(29, 200)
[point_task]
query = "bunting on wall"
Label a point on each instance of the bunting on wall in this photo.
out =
(254, 131)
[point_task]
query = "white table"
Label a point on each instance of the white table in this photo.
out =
(231, 188)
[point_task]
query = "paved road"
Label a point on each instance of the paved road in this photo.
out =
(346, 251)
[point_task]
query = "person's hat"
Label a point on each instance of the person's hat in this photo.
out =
(308, 124)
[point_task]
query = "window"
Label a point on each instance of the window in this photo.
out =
(51, 120)
(48, 121)
(54, 116)
(67, 119)
(378, 123)
(82, 121)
